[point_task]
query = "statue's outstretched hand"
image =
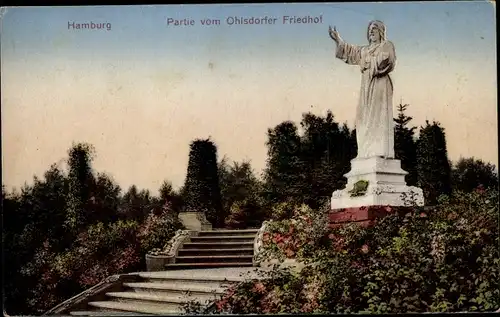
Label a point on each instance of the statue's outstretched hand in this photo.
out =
(334, 34)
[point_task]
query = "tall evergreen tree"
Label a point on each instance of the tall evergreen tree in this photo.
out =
(53, 195)
(240, 183)
(405, 145)
(224, 174)
(166, 191)
(106, 199)
(327, 151)
(81, 182)
(241, 194)
(349, 150)
(202, 189)
(433, 167)
(168, 195)
(134, 204)
(284, 176)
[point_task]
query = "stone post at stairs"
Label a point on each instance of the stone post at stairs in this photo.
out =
(195, 221)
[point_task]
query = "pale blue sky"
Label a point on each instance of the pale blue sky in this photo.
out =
(142, 91)
(141, 31)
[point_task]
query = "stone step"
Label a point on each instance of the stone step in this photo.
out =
(105, 313)
(217, 245)
(204, 252)
(139, 307)
(159, 297)
(145, 297)
(201, 276)
(203, 283)
(177, 287)
(165, 292)
(228, 232)
(223, 238)
(214, 259)
(188, 266)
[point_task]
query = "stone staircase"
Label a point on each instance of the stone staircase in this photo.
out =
(216, 248)
(160, 293)
(204, 266)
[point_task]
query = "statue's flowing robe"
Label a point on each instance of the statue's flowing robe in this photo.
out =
(374, 116)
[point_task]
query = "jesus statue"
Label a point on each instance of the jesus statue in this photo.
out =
(374, 118)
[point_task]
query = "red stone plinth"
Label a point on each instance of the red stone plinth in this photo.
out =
(364, 216)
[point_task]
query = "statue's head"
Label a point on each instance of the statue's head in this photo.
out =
(376, 32)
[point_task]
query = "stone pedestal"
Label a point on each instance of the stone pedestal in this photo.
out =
(386, 185)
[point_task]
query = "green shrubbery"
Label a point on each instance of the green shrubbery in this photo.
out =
(74, 227)
(442, 260)
(100, 251)
(159, 229)
(295, 237)
(246, 213)
(71, 229)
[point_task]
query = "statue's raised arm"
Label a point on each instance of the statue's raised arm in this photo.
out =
(351, 54)
(334, 35)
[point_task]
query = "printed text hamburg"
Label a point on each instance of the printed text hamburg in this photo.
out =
(235, 20)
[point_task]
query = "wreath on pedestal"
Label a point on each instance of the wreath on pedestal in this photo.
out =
(359, 188)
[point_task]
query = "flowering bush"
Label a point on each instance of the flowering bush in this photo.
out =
(158, 229)
(107, 249)
(281, 291)
(295, 237)
(440, 260)
(98, 252)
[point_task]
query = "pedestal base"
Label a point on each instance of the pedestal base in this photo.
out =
(379, 195)
(364, 216)
(386, 185)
